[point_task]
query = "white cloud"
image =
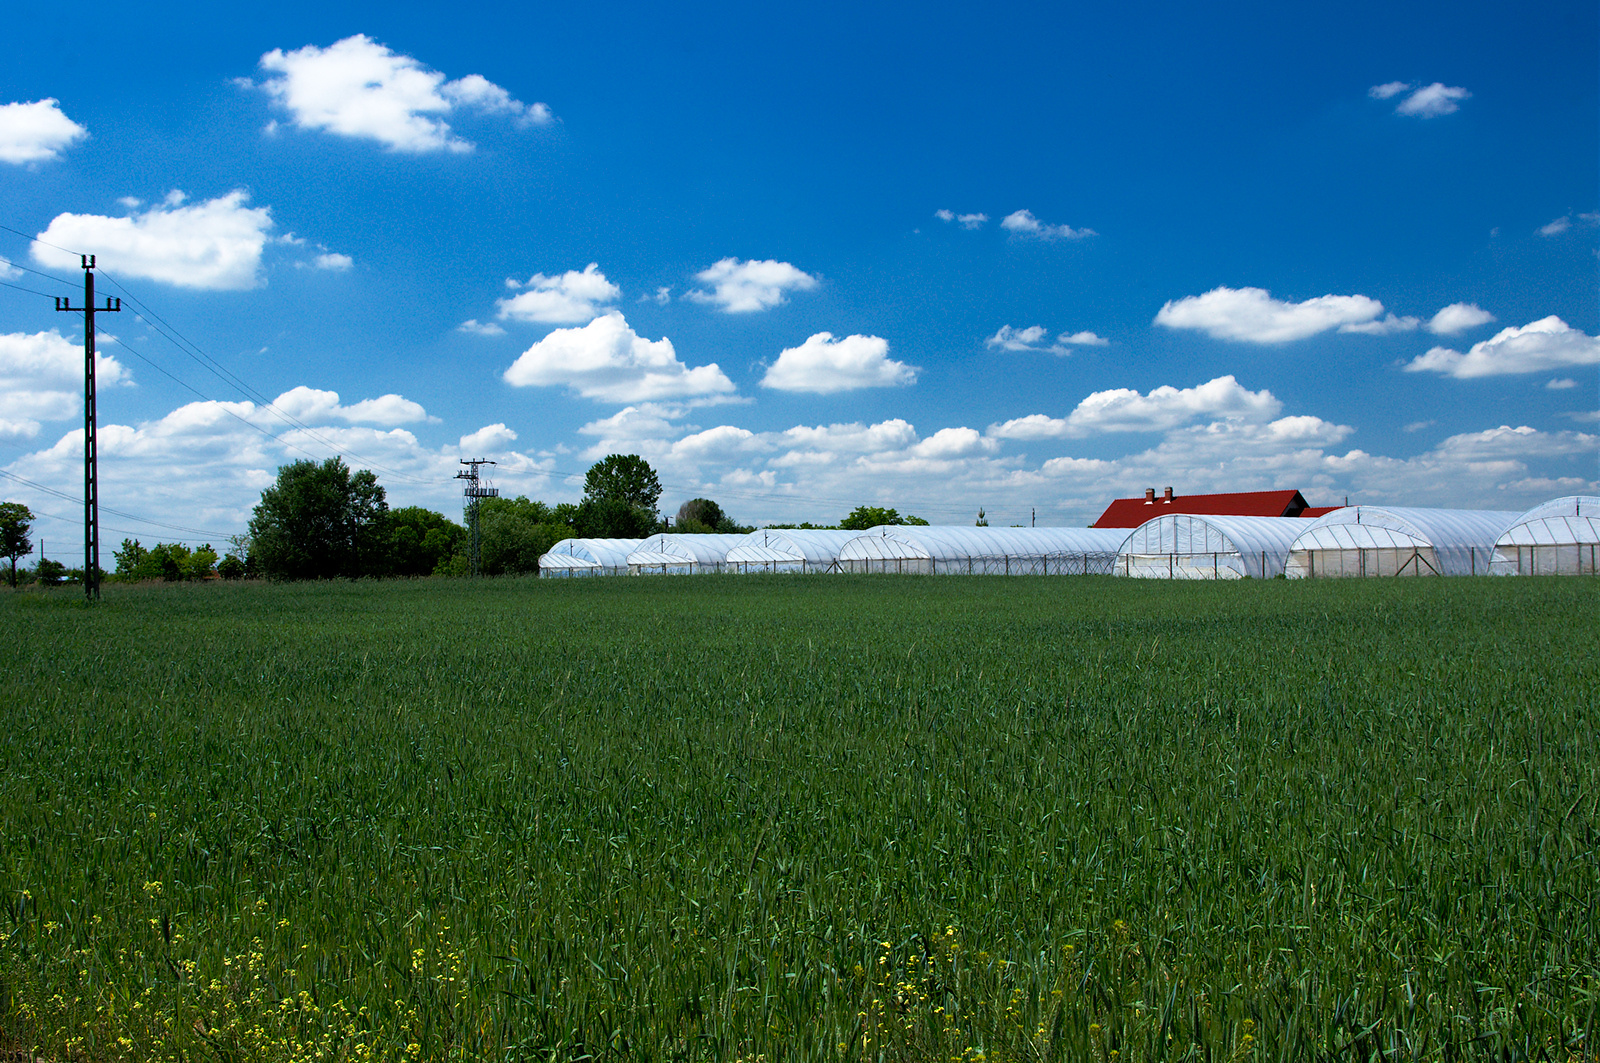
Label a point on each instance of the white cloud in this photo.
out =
(569, 298)
(1083, 339)
(1017, 339)
(1126, 410)
(1252, 315)
(662, 296)
(41, 379)
(490, 439)
(7, 270)
(966, 221)
(1388, 89)
(1458, 317)
(1561, 384)
(1565, 222)
(743, 287)
(320, 407)
(472, 326)
(647, 420)
(608, 361)
(1417, 426)
(359, 88)
(36, 132)
(215, 245)
(1023, 223)
(1548, 343)
(1433, 100)
(823, 365)
(332, 260)
(1388, 325)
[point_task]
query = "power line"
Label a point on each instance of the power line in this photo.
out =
(65, 497)
(30, 291)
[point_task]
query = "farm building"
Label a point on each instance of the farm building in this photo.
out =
(680, 555)
(1132, 512)
(588, 557)
(1559, 538)
(1397, 541)
(966, 550)
(788, 550)
(1214, 546)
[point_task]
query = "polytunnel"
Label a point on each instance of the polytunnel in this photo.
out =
(1559, 538)
(1396, 541)
(788, 550)
(588, 557)
(960, 549)
(1188, 546)
(674, 554)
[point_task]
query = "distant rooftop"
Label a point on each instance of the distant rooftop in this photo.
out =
(1132, 512)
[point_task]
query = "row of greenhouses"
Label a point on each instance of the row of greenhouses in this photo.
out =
(1560, 537)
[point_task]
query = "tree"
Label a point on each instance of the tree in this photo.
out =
(16, 520)
(613, 518)
(320, 522)
(701, 511)
(983, 520)
(420, 540)
(623, 477)
(50, 573)
(231, 567)
(516, 532)
(863, 517)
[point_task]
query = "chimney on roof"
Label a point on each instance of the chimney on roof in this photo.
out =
(1168, 497)
(1149, 496)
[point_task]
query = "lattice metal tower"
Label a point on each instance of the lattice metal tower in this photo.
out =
(476, 490)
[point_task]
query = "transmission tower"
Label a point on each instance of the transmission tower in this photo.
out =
(91, 470)
(475, 491)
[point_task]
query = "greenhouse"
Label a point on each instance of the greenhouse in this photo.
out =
(965, 550)
(1396, 541)
(681, 555)
(1185, 546)
(588, 557)
(1559, 538)
(788, 550)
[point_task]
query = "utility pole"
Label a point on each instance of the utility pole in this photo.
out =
(91, 471)
(475, 491)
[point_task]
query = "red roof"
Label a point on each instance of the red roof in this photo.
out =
(1317, 511)
(1132, 512)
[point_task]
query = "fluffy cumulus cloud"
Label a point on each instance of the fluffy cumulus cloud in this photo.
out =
(490, 439)
(1542, 345)
(321, 407)
(41, 379)
(569, 298)
(1252, 315)
(608, 361)
(1458, 317)
(360, 88)
(1164, 408)
(824, 364)
(36, 132)
(1426, 101)
(1023, 223)
(215, 245)
(737, 287)
(966, 221)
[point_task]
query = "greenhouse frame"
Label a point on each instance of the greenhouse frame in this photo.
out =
(788, 550)
(960, 549)
(1559, 538)
(587, 557)
(1192, 546)
(1397, 541)
(681, 555)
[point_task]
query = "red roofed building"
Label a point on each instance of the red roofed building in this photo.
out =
(1132, 512)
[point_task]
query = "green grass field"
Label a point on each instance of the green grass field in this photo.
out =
(742, 818)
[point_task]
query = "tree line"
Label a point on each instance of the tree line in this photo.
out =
(321, 520)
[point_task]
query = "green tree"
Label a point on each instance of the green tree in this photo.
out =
(623, 477)
(320, 521)
(231, 567)
(420, 540)
(613, 518)
(130, 559)
(16, 521)
(50, 573)
(201, 563)
(863, 517)
(515, 533)
(701, 512)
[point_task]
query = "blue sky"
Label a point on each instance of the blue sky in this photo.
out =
(805, 257)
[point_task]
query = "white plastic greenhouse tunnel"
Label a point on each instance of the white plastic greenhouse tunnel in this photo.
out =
(1397, 541)
(681, 555)
(1189, 546)
(588, 557)
(1559, 538)
(960, 549)
(788, 550)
